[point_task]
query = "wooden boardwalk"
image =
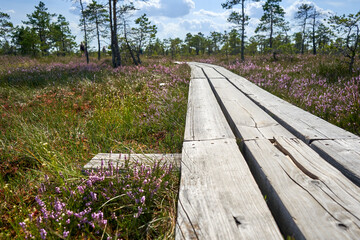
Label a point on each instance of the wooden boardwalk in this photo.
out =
(256, 167)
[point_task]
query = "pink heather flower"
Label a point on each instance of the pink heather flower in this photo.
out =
(66, 233)
(23, 225)
(142, 200)
(137, 215)
(93, 196)
(81, 189)
(43, 233)
(57, 190)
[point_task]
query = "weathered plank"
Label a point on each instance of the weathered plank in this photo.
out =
(204, 119)
(301, 123)
(211, 72)
(344, 154)
(305, 126)
(119, 159)
(218, 197)
(245, 117)
(196, 72)
(309, 198)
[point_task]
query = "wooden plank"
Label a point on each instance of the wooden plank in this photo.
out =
(218, 197)
(344, 154)
(196, 72)
(301, 123)
(212, 73)
(245, 117)
(204, 119)
(305, 126)
(309, 198)
(119, 159)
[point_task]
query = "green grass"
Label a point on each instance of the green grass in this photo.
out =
(57, 114)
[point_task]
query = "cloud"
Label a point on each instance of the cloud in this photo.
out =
(254, 9)
(206, 13)
(336, 4)
(168, 8)
(294, 7)
(10, 11)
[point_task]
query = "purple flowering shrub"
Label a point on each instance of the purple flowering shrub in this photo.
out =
(118, 202)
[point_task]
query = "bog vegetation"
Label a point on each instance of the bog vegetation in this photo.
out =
(62, 102)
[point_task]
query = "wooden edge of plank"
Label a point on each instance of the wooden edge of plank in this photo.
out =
(265, 100)
(119, 159)
(345, 158)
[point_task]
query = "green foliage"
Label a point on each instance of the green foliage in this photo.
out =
(143, 35)
(40, 21)
(5, 28)
(333, 70)
(273, 17)
(97, 21)
(60, 36)
(55, 116)
(350, 27)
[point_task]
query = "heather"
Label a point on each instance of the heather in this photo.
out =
(319, 84)
(56, 114)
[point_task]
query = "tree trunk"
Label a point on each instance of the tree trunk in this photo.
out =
(313, 34)
(128, 45)
(271, 28)
(98, 37)
(85, 32)
(243, 30)
(116, 42)
(115, 51)
(112, 35)
(353, 51)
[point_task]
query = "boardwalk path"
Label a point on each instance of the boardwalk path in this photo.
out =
(293, 175)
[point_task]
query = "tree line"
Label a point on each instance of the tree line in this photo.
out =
(317, 32)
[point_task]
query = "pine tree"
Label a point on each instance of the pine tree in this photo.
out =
(98, 18)
(40, 20)
(239, 19)
(273, 18)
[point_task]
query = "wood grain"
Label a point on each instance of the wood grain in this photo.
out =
(305, 126)
(310, 201)
(204, 119)
(118, 159)
(245, 117)
(301, 123)
(196, 72)
(218, 197)
(344, 154)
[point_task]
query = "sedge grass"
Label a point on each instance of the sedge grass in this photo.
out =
(56, 114)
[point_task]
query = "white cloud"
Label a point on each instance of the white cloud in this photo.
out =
(205, 13)
(294, 7)
(168, 8)
(254, 9)
(10, 11)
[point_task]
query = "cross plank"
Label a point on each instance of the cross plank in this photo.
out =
(119, 159)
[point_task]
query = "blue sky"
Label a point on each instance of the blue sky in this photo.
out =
(175, 18)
